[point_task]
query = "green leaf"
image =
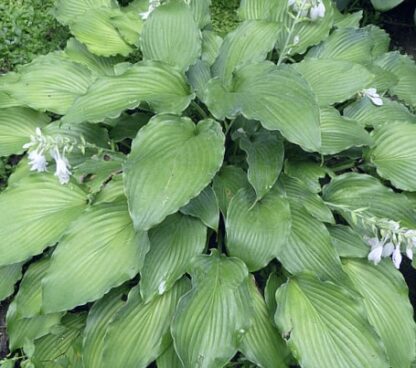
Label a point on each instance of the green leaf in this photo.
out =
(172, 160)
(260, 9)
(263, 343)
(110, 251)
(173, 245)
(384, 5)
(309, 172)
(35, 213)
(166, 25)
(211, 45)
(404, 68)
(127, 125)
(201, 11)
(265, 153)
(9, 275)
(367, 114)
(169, 359)
(248, 44)
(140, 331)
(100, 315)
(347, 20)
(364, 192)
(275, 96)
(210, 317)
(357, 45)
(159, 85)
(325, 326)
(386, 301)
(50, 83)
(24, 319)
(228, 181)
(205, 207)
(66, 11)
(17, 124)
(339, 134)
(347, 242)
(343, 79)
(198, 77)
(257, 230)
(394, 154)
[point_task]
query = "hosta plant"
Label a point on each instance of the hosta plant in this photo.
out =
(211, 202)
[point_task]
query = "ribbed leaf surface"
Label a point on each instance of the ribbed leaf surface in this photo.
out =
(35, 213)
(159, 85)
(173, 245)
(9, 275)
(348, 242)
(166, 25)
(66, 11)
(98, 252)
(325, 326)
(172, 161)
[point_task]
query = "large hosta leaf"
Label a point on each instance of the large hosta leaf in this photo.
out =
(173, 245)
(167, 24)
(9, 275)
(339, 134)
(200, 10)
(210, 317)
(50, 83)
(159, 85)
(348, 242)
(257, 231)
(306, 171)
(384, 5)
(277, 97)
(169, 359)
(385, 297)
(404, 68)
(140, 331)
(100, 315)
(172, 160)
(17, 124)
(325, 326)
(334, 80)
(265, 153)
(394, 154)
(249, 43)
(263, 343)
(66, 11)
(98, 252)
(367, 114)
(35, 213)
(363, 192)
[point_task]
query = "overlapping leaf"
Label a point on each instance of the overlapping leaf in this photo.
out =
(9, 275)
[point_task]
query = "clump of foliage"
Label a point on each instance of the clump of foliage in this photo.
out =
(244, 200)
(27, 29)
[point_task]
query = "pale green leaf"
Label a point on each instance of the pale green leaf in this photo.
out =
(17, 124)
(35, 213)
(127, 125)
(405, 70)
(248, 44)
(172, 160)
(339, 133)
(394, 154)
(166, 25)
(265, 153)
(99, 251)
(386, 301)
(263, 344)
(139, 333)
(201, 11)
(334, 80)
(159, 85)
(347, 242)
(209, 318)
(198, 76)
(309, 172)
(367, 114)
(276, 97)
(384, 5)
(228, 181)
(347, 20)
(173, 245)
(325, 326)
(67, 11)
(211, 44)
(169, 359)
(365, 193)
(50, 83)
(111, 191)
(383, 79)
(9, 275)
(257, 230)
(205, 207)
(100, 315)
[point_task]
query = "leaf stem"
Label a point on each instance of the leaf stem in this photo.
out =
(200, 110)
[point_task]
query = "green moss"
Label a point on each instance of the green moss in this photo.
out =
(27, 28)
(224, 15)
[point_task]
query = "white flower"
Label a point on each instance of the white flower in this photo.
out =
(317, 11)
(397, 257)
(388, 250)
(62, 167)
(37, 161)
(372, 94)
(409, 252)
(376, 250)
